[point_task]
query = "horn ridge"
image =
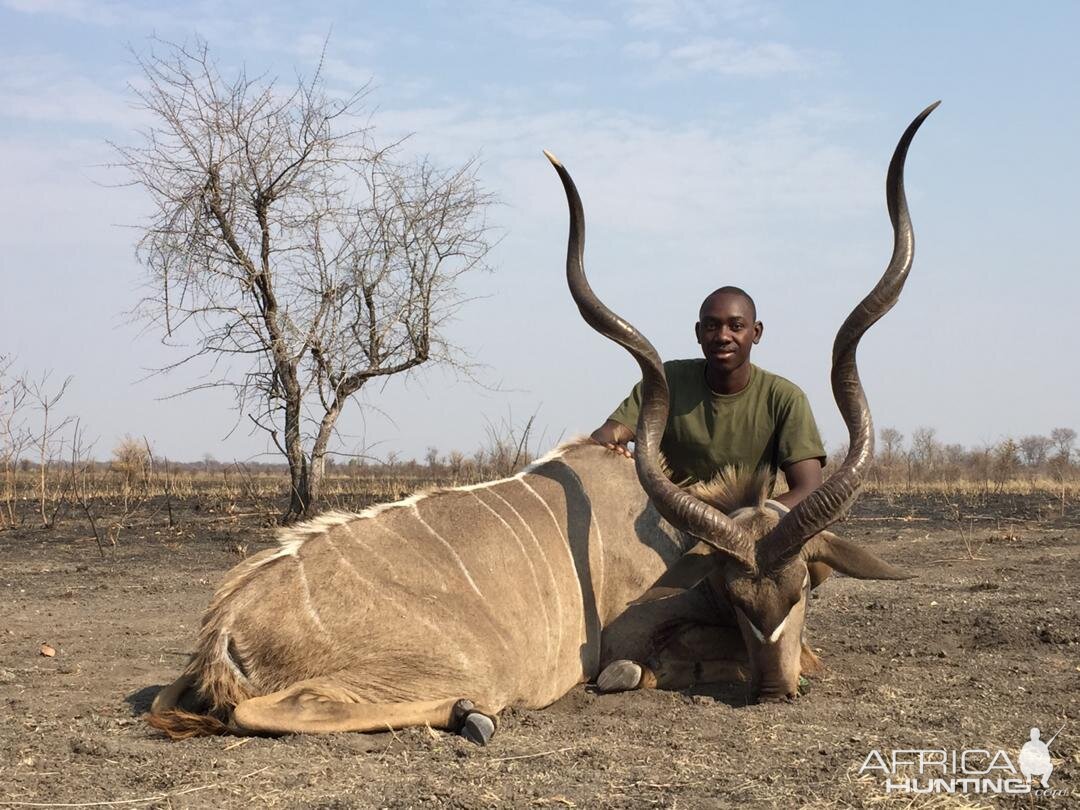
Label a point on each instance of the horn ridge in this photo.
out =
(825, 505)
(681, 509)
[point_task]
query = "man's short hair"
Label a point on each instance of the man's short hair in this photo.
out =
(730, 290)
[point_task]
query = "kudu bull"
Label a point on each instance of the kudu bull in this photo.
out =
(446, 607)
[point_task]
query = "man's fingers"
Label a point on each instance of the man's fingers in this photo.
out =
(616, 447)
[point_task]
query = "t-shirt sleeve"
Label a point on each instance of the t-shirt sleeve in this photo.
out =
(799, 438)
(627, 413)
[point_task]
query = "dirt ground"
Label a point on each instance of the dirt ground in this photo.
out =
(982, 646)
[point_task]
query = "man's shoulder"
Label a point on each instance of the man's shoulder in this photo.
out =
(688, 363)
(689, 369)
(777, 387)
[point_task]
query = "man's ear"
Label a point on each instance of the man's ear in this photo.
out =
(697, 332)
(689, 570)
(850, 558)
(759, 329)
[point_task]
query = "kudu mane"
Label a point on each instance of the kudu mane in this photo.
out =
(734, 488)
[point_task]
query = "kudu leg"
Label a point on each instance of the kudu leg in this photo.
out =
(323, 707)
(689, 656)
(819, 572)
(692, 655)
(170, 697)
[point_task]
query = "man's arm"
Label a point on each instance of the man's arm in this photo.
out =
(614, 436)
(803, 477)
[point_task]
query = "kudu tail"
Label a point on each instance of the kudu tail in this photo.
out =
(181, 725)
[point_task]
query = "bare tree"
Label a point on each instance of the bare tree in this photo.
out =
(132, 459)
(924, 447)
(1063, 439)
(44, 435)
(1034, 450)
(431, 459)
(1006, 460)
(892, 445)
(288, 243)
(14, 437)
(81, 463)
(455, 462)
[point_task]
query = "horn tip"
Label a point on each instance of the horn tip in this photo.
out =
(554, 160)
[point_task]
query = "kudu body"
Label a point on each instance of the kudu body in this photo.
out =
(445, 608)
(497, 593)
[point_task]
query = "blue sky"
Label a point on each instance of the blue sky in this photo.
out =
(734, 141)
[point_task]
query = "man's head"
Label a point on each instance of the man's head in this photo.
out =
(727, 328)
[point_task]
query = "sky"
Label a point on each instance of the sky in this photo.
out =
(713, 141)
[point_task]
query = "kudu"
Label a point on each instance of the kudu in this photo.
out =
(446, 607)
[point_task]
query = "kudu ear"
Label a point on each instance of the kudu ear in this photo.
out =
(688, 571)
(850, 558)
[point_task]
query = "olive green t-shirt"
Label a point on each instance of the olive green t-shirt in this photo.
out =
(767, 424)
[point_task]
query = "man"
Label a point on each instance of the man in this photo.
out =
(725, 410)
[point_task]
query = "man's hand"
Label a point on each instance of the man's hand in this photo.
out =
(614, 436)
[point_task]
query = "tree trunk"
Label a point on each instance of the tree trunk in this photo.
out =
(299, 501)
(311, 493)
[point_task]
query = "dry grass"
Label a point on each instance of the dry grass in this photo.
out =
(240, 490)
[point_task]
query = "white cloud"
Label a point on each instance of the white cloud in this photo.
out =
(543, 21)
(726, 57)
(649, 51)
(50, 88)
(96, 12)
(651, 176)
(695, 15)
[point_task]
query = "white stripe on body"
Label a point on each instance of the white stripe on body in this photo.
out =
(562, 536)
(600, 574)
(442, 630)
(450, 548)
(406, 610)
(461, 564)
(532, 574)
(404, 542)
(551, 572)
(310, 605)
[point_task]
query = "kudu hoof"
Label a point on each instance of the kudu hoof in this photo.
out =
(619, 676)
(475, 727)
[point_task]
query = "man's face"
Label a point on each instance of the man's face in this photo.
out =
(727, 331)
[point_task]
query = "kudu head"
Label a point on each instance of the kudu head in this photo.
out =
(760, 557)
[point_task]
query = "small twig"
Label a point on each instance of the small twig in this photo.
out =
(959, 559)
(534, 756)
(160, 797)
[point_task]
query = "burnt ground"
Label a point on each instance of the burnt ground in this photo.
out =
(982, 646)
